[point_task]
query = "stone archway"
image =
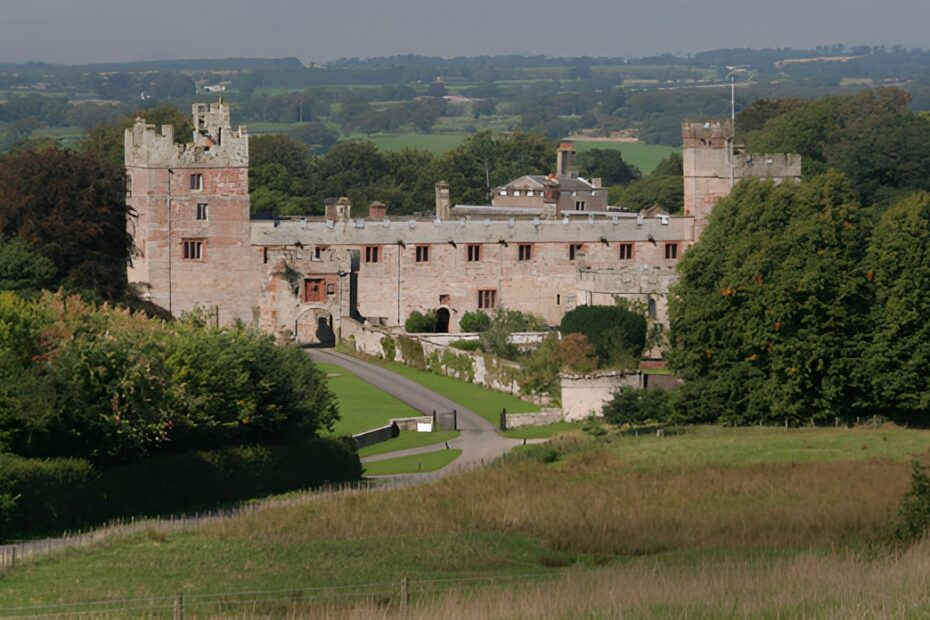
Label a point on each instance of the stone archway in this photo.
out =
(442, 321)
(324, 330)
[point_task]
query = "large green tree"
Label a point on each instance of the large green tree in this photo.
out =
(898, 359)
(770, 318)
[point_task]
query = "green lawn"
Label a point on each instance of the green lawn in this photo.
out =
(362, 406)
(542, 432)
(407, 440)
(483, 401)
(429, 461)
(58, 132)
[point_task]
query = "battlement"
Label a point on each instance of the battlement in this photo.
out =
(214, 143)
(706, 134)
(767, 165)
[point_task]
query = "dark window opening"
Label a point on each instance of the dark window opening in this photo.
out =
(372, 254)
(422, 253)
(626, 251)
(192, 249)
(474, 253)
(574, 249)
(524, 251)
(671, 251)
(487, 299)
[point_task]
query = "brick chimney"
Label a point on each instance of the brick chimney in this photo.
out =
(443, 203)
(377, 210)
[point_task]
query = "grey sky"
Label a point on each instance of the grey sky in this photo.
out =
(81, 31)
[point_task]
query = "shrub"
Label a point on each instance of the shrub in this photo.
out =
(914, 515)
(475, 321)
(390, 349)
(617, 333)
(635, 406)
(419, 323)
(466, 345)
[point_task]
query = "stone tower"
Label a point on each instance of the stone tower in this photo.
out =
(712, 164)
(190, 226)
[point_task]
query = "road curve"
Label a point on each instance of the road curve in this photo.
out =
(478, 441)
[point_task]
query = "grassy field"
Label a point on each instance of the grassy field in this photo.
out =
(644, 156)
(435, 143)
(483, 401)
(362, 406)
(429, 461)
(407, 440)
(60, 133)
(708, 523)
(542, 432)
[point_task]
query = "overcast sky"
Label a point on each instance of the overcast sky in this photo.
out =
(82, 31)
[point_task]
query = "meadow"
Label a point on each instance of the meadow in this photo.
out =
(710, 522)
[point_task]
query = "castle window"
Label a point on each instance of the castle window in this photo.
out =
(574, 249)
(318, 251)
(626, 251)
(196, 182)
(474, 252)
(487, 298)
(422, 253)
(651, 308)
(192, 249)
(579, 205)
(671, 251)
(524, 251)
(372, 253)
(201, 212)
(330, 289)
(313, 290)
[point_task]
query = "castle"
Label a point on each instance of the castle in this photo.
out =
(544, 245)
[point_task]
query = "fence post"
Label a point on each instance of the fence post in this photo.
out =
(455, 419)
(179, 607)
(435, 427)
(404, 592)
(503, 419)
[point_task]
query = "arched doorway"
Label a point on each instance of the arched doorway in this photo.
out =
(442, 321)
(324, 330)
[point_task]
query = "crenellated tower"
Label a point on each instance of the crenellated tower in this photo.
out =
(190, 223)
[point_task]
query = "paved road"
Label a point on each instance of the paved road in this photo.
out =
(479, 441)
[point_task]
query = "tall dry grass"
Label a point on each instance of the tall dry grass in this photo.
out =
(591, 503)
(838, 585)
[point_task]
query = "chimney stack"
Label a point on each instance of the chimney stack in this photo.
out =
(565, 160)
(443, 205)
(377, 210)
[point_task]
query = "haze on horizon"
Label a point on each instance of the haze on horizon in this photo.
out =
(69, 32)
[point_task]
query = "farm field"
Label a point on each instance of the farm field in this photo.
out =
(361, 405)
(798, 522)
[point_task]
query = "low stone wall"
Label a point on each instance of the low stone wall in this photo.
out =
(585, 396)
(377, 435)
(423, 353)
(546, 416)
(410, 424)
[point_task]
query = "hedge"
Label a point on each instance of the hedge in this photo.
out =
(54, 495)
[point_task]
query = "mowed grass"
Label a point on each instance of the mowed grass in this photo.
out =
(361, 405)
(416, 463)
(485, 402)
(407, 440)
(795, 522)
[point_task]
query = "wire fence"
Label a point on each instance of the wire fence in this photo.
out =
(282, 602)
(16, 554)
